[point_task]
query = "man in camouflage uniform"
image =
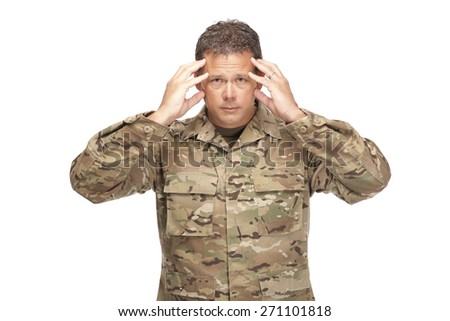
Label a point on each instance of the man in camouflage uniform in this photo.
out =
(233, 183)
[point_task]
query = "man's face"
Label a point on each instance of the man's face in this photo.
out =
(229, 92)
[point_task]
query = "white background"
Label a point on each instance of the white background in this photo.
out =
(71, 68)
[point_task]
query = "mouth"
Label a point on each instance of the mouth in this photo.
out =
(230, 108)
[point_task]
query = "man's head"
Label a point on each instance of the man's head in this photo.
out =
(226, 37)
(227, 47)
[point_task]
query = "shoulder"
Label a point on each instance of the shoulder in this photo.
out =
(181, 126)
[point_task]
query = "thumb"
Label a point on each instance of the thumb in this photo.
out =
(194, 100)
(262, 97)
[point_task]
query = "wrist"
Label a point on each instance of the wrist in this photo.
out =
(295, 115)
(160, 118)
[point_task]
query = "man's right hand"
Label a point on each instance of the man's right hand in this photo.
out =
(174, 103)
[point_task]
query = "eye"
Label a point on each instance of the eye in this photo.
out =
(216, 81)
(241, 82)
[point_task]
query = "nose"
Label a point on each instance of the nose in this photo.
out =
(228, 92)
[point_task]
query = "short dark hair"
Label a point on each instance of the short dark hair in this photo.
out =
(227, 37)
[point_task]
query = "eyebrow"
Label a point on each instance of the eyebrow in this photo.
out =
(243, 75)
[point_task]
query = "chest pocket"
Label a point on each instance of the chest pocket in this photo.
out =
(190, 199)
(279, 199)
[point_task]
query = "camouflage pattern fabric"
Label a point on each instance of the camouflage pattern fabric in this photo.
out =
(233, 222)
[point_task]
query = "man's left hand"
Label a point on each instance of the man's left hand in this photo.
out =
(281, 101)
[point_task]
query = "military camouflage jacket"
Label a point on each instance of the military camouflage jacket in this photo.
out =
(233, 222)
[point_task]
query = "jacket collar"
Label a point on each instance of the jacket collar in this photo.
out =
(262, 123)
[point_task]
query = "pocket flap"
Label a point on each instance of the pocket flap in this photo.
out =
(292, 284)
(191, 183)
(278, 180)
(199, 287)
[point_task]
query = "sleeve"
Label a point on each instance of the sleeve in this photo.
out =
(119, 161)
(339, 160)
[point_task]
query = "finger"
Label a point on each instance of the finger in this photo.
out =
(259, 65)
(266, 67)
(267, 64)
(185, 71)
(195, 99)
(196, 80)
(196, 65)
(261, 80)
(262, 97)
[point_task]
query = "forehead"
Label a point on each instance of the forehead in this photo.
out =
(235, 62)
